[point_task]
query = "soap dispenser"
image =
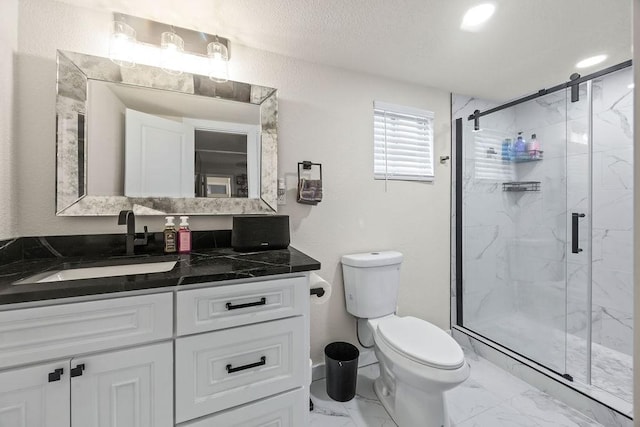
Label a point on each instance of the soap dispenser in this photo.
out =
(170, 236)
(184, 236)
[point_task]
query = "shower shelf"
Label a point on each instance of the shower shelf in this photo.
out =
(519, 186)
(525, 157)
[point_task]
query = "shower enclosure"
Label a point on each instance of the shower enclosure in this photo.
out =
(544, 229)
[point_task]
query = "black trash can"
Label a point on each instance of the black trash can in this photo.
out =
(341, 364)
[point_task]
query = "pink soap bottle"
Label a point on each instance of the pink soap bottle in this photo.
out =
(184, 236)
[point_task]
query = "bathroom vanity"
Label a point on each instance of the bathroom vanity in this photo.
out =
(221, 338)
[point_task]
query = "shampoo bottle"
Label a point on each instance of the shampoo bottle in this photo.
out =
(170, 240)
(506, 149)
(184, 236)
(520, 146)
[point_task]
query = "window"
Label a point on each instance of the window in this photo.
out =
(403, 143)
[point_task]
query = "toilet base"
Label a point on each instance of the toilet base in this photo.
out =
(409, 407)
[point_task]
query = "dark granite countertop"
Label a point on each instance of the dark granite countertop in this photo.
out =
(200, 266)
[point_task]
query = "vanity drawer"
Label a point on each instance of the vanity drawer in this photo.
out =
(220, 307)
(285, 410)
(43, 333)
(223, 369)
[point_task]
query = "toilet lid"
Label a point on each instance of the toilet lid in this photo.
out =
(421, 342)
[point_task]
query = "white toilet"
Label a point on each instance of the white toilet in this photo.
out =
(418, 361)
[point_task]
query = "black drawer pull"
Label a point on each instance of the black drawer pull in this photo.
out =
(262, 301)
(263, 361)
(77, 371)
(55, 375)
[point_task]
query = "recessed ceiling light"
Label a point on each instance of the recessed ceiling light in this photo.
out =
(476, 16)
(631, 86)
(590, 62)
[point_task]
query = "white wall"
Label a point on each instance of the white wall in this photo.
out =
(8, 48)
(636, 211)
(325, 115)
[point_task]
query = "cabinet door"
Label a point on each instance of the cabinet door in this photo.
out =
(29, 399)
(127, 388)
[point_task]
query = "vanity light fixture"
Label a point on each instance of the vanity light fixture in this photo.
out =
(122, 43)
(218, 61)
(171, 51)
(175, 50)
(591, 61)
(476, 16)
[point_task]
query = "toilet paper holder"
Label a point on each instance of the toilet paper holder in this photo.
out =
(316, 291)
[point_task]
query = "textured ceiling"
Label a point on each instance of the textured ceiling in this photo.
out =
(527, 45)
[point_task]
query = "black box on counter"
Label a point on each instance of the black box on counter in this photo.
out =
(260, 232)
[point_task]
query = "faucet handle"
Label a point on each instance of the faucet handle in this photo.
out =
(143, 240)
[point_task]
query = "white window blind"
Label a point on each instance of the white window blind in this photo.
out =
(403, 142)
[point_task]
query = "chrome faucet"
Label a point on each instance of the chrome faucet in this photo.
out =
(127, 217)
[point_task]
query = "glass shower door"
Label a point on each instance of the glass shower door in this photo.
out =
(546, 231)
(514, 229)
(578, 225)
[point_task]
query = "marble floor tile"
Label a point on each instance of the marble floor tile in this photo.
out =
(548, 412)
(499, 416)
(611, 370)
(491, 397)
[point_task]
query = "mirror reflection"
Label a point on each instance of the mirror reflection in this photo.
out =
(155, 143)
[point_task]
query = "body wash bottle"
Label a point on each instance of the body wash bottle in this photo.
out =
(520, 147)
(534, 147)
(184, 236)
(170, 236)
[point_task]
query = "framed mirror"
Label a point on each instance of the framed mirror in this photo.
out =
(141, 139)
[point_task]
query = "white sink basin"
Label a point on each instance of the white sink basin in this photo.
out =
(97, 272)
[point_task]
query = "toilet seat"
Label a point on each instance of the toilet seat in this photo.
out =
(421, 342)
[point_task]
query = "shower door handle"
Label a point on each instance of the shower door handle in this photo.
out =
(575, 232)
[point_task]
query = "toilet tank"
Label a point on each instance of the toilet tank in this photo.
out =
(371, 283)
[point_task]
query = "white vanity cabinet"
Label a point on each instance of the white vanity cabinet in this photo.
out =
(240, 349)
(233, 354)
(128, 387)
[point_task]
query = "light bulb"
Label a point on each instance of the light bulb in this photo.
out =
(122, 44)
(218, 62)
(172, 48)
(591, 61)
(476, 16)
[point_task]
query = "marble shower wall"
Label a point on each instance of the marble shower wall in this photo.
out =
(612, 211)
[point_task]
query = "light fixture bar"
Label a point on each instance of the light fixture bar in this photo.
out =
(148, 31)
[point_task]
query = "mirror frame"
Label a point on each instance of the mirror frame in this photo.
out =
(74, 72)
